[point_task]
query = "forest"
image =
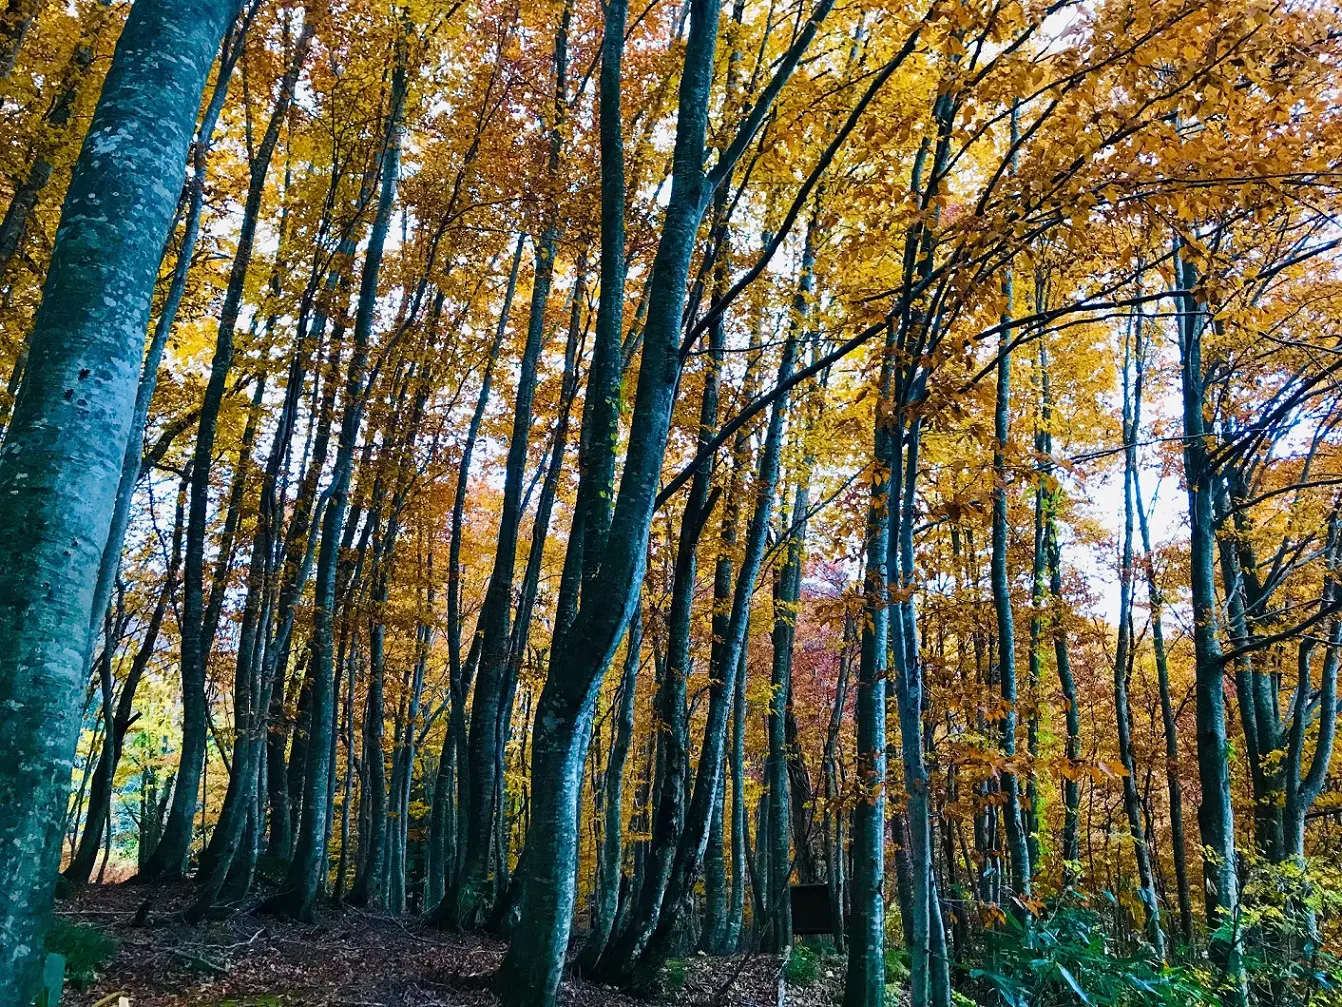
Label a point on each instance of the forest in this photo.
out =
(849, 492)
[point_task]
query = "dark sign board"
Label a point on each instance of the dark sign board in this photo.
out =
(811, 910)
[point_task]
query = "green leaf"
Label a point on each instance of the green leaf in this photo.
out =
(1076, 986)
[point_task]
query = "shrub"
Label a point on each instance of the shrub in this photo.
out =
(675, 976)
(896, 965)
(802, 967)
(86, 950)
(1287, 958)
(1067, 960)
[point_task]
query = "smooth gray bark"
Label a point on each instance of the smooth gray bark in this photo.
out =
(1216, 817)
(581, 656)
(63, 452)
(1017, 837)
(199, 621)
(131, 466)
(1123, 656)
(481, 767)
(610, 871)
(307, 871)
(448, 819)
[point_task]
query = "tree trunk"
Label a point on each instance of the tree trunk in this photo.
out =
(253, 681)
(778, 931)
(14, 25)
(864, 982)
(671, 700)
(736, 906)
(1169, 725)
(447, 836)
(607, 895)
(494, 624)
(295, 558)
(1048, 496)
(131, 466)
(1303, 791)
(1017, 837)
(905, 444)
(1123, 656)
(198, 623)
(505, 900)
(307, 871)
(64, 448)
(614, 556)
(381, 877)
(725, 939)
(81, 865)
(614, 553)
(641, 953)
(1216, 819)
(494, 615)
(373, 789)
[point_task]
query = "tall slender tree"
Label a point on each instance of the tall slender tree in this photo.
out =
(62, 455)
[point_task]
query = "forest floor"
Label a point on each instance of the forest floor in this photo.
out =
(356, 959)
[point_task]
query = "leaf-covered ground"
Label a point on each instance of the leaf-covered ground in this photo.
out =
(355, 958)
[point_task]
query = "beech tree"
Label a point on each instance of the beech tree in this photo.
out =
(64, 445)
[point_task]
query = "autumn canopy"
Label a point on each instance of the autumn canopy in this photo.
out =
(575, 471)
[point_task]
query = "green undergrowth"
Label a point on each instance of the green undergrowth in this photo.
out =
(675, 975)
(86, 949)
(802, 967)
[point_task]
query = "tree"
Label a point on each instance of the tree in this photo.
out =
(63, 450)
